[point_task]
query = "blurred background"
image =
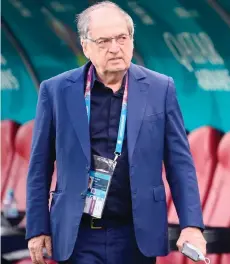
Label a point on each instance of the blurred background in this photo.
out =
(186, 39)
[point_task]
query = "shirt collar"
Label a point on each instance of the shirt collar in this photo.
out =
(95, 78)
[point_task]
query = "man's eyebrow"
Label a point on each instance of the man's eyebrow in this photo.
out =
(113, 36)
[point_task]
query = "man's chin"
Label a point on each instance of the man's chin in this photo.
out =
(117, 68)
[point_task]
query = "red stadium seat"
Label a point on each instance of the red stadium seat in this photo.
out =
(18, 172)
(217, 210)
(24, 261)
(29, 261)
(215, 259)
(167, 189)
(8, 132)
(54, 178)
(24, 139)
(203, 144)
(172, 258)
(225, 259)
(19, 168)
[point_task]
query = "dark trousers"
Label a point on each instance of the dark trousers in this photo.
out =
(107, 246)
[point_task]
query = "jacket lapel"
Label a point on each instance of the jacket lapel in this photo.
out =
(75, 103)
(137, 98)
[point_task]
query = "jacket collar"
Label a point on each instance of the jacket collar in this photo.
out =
(80, 73)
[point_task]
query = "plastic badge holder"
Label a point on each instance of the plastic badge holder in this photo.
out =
(103, 165)
(193, 253)
(99, 181)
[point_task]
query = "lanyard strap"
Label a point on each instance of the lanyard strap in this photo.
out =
(123, 117)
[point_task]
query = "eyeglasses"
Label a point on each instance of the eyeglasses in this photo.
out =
(121, 39)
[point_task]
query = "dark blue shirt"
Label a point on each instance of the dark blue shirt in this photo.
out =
(104, 124)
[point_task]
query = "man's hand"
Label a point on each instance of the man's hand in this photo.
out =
(36, 245)
(193, 236)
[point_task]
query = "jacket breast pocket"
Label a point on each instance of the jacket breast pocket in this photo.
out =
(159, 193)
(154, 117)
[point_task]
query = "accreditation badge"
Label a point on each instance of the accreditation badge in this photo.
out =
(100, 177)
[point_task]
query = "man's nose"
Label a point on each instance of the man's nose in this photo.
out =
(114, 46)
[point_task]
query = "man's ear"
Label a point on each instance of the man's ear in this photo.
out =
(85, 48)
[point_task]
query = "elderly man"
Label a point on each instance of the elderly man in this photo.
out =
(114, 123)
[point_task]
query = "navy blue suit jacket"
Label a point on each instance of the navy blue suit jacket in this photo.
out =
(155, 133)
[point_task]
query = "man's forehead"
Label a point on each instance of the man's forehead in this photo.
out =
(107, 22)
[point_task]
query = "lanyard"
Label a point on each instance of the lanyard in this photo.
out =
(121, 130)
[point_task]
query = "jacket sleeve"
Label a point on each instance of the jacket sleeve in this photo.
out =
(41, 168)
(180, 170)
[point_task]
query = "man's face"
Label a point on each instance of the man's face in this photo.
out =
(108, 55)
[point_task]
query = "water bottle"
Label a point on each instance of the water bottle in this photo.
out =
(10, 209)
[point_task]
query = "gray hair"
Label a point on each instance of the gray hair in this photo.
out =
(83, 19)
